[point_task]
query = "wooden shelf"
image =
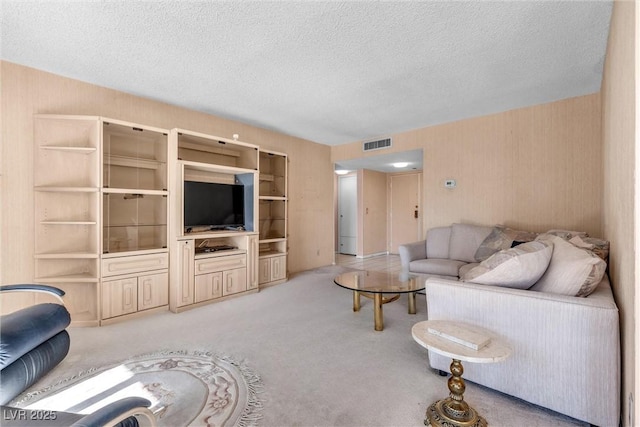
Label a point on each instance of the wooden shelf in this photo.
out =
(132, 191)
(68, 222)
(269, 254)
(209, 167)
(132, 162)
(67, 189)
(69, 149)
(68, 255)
(73, 278)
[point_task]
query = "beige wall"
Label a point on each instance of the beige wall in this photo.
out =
(373, 209)
(536, 168)
(618, 124)
(26, 91)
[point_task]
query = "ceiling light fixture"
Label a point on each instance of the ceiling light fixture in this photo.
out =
(341, 172)
(400, 164)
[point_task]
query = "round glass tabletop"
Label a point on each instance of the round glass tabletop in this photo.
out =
(377, 282)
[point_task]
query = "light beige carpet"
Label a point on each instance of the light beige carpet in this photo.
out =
(320, 363)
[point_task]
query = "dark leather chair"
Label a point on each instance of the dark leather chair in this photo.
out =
(33, 341)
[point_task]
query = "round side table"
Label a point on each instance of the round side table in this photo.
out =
(456, 339)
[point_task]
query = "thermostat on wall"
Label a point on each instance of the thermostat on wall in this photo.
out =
(450, 183)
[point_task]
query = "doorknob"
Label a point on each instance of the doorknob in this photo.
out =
(415, 213)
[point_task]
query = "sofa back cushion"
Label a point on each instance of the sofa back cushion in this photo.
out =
(438, 242)
(519, 267)
(465, 241)
(572, 270)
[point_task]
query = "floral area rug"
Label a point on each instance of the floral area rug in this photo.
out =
(185, 388)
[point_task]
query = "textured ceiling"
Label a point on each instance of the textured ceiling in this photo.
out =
(328, 71)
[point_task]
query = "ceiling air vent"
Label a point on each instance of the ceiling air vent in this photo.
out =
(376, 145)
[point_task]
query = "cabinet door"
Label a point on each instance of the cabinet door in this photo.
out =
(252, 263)
(153, 290)
(119, 297)
(208, 286)
(264, 270)
(234, 281)
(278, 268)
(185, 273)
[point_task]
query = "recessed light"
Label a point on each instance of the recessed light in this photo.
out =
(400, 164)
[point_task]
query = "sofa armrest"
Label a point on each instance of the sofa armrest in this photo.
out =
(411, 252)
(562, 345)
(118, 412)
(34, 287)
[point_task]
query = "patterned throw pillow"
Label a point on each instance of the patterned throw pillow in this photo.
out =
(501, 238)
(518, 267)
(572, 270)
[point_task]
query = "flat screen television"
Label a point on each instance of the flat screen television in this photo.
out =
(213, 205)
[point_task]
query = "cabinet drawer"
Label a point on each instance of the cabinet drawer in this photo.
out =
(134, 264)
(211, 265)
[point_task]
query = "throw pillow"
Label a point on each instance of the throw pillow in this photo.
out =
(567, 234)
(519, 267)
(597, 246)
(501, 238)
(572, 271)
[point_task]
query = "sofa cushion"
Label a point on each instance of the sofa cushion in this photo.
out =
(519, 267)
(501, 238)
(465, 241)
(438, 242)
(446, 267)
(572, 270)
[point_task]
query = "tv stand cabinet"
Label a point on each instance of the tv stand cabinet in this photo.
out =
(206, 277)
(199, 278)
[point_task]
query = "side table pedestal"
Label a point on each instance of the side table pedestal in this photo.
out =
(453, 411)
(459, 341)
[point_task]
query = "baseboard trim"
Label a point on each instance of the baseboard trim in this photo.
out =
(372, 255)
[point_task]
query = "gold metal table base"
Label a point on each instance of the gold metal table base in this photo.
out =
(378, 300)
(454, 411)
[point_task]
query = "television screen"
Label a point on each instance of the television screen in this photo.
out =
(213, 205)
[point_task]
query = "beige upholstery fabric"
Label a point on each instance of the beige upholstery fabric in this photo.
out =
(465, 240)
(597, 246)
(566, 350)
(518, 267)
(445, 267)
(501, 238)
(572, 270)
(438, 242)
(466, 267)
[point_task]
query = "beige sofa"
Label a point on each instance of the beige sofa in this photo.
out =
(566, 349)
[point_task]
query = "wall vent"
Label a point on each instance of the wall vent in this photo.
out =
(376, 145)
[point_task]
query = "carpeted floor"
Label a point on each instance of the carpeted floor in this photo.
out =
(320, 363)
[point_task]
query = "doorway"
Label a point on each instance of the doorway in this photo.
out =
(405, 218)
(347, 214)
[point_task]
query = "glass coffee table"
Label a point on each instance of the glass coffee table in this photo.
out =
(376, 284)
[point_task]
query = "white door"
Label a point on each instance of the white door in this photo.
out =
(405, 209)
(347, 214)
